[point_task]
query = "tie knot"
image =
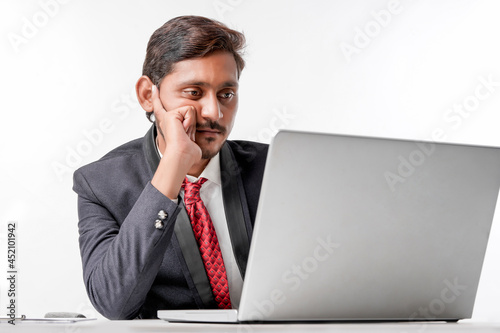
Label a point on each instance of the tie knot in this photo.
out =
(192, 190)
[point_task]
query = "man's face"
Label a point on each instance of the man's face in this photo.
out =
(210, 85)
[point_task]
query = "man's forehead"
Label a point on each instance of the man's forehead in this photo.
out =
(219, 66)
(224, 84)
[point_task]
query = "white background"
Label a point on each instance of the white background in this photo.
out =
(68, 69)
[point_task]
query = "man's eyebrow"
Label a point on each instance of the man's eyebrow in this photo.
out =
(230, 84)
(227, 84)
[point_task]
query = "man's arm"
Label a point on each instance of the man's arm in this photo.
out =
(120, 263)
(180, 152)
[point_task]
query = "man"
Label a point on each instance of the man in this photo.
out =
(139, 250)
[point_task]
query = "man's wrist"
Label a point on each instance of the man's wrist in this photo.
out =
(169, 175)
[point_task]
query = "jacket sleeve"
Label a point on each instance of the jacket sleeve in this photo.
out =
(120, 262)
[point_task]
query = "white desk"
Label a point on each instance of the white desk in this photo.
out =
(151, 326)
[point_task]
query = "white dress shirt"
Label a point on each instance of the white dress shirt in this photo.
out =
(211, 194)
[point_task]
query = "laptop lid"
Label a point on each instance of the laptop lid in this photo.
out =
(359, 228)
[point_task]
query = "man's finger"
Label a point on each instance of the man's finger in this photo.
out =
(189, 115)
(155, 98)
(185, 114)
(189, 121)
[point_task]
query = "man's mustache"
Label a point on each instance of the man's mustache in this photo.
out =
(211, 125)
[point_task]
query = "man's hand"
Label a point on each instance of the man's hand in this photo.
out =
(178, 128)
(180, 152)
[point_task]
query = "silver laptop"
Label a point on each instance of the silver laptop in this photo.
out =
(357, 228)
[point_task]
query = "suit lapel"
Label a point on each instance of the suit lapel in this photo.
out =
(233, 195)
(150, 151)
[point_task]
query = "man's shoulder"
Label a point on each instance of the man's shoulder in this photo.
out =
(133, 147)
(249, 156)
(127, 154)
(245, 149)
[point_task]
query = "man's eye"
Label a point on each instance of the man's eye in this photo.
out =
(226, 95)
(193, 93)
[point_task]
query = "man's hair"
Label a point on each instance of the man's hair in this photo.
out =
(187, 37)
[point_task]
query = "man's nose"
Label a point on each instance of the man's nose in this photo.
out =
(210, 108)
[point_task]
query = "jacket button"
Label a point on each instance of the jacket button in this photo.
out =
(162, 214)
(159, 224)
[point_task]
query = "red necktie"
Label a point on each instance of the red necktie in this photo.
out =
(204, 233)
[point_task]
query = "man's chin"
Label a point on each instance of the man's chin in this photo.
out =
(207, 154)
(210, 149)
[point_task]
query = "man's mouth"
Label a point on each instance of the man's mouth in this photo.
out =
(207, 130)
(210, 128)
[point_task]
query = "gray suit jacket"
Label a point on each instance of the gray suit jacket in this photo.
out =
(132, 269)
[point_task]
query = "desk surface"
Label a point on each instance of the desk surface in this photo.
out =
(106, 326)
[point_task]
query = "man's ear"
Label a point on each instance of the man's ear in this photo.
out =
(143, 90)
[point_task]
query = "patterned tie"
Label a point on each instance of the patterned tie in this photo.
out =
(204, 233)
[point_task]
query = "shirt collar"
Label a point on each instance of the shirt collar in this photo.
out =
(211, 172)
